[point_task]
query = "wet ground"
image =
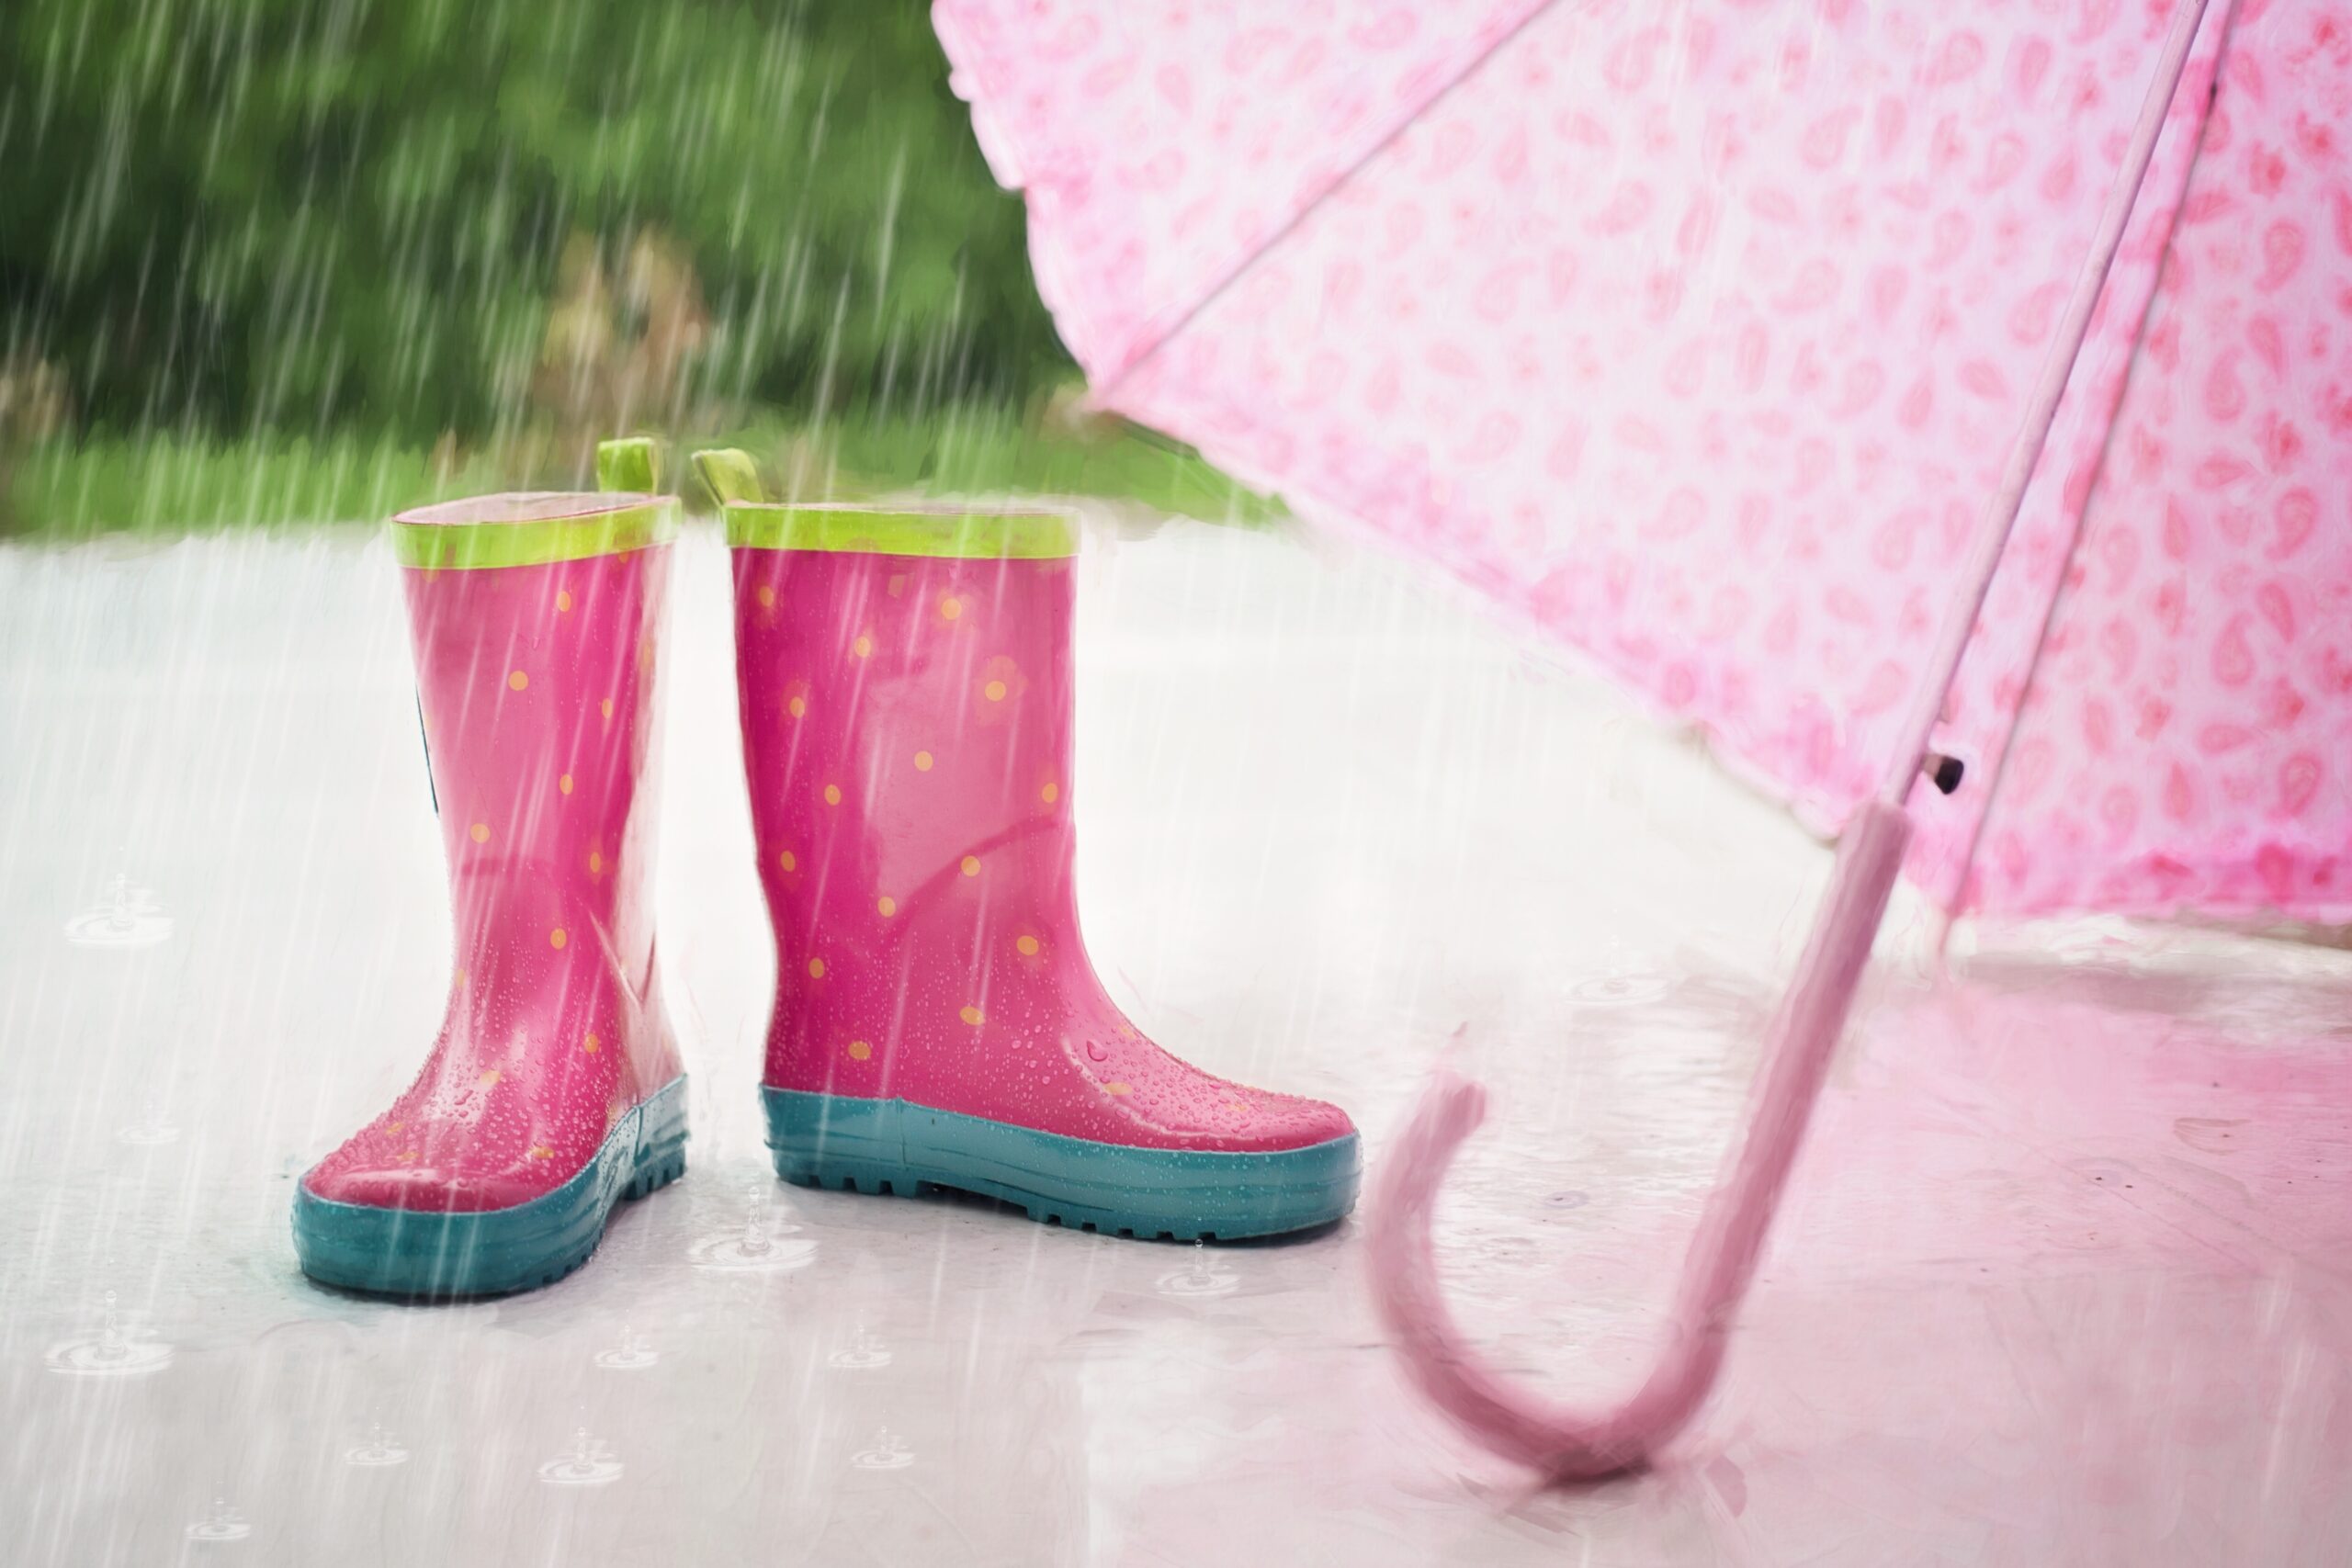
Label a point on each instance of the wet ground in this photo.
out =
(2065, 1276)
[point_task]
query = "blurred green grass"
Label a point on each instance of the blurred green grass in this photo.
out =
(71, 490)
(989, 450)
(163, 484)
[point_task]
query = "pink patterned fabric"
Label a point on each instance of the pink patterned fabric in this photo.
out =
(2188, 739)
(1696, 335)
(1162, 146)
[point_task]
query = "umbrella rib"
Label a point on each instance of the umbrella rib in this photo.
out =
(2033, 433)
(2000, 769)
(1105, 386)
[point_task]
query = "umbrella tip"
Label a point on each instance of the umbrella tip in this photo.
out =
(1944, 771)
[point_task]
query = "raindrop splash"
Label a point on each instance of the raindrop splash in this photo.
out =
(1205, 1276)
(152, 1129)
(588, 1463)
(752, 1248)
(113, 1351)
(223, 1523)
(383, 1448)
(864, 1352)
(633, 1354)
(887, 1452)
(127, 917)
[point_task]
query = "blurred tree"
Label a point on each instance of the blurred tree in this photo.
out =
(238, 216)
(624, 337)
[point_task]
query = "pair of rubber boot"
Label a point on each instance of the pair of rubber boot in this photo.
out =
(906, 692)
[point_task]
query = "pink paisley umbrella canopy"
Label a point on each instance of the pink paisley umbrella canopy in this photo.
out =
(1696, 335)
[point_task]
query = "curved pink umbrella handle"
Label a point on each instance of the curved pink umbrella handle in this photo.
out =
(1569, 1445)
(1573, 1445)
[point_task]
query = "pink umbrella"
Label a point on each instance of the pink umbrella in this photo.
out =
(1869, 387)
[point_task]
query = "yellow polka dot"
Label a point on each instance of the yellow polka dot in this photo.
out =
(796, 707)
(461, 978)
(1050, 794)
(971, 1015)
(605, 707)
(540, 1151)
(555, 937)
(591, 1044)
(489, 1080)
(478, 832)
(787, 860)
(922, 762)
(832, 795)
(564, 784)
(862, 646)
(1118, 1089)
(950, 608)
(595, 863)
(408, 1156)
(765, 596)
(971, 865)
(1028, 946)
(397, 1127)
(563, 599)
(1237, 1107)
(815, 969)
(887, 905)
(859, 1050)
(518, 680)
(993, 691)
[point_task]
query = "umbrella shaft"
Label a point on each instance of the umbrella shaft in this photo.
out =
(1797, 1053)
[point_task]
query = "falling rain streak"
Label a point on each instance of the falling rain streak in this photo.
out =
(1060, 839)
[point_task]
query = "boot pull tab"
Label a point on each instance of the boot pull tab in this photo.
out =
(731, 475)
(633, 464)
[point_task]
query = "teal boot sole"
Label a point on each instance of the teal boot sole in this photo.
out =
(420, 1254)
(890, 1145)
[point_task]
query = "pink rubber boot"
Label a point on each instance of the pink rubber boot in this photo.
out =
(906, 693)
(553, 1089)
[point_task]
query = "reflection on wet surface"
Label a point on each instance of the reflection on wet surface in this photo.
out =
(2062, 1278)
